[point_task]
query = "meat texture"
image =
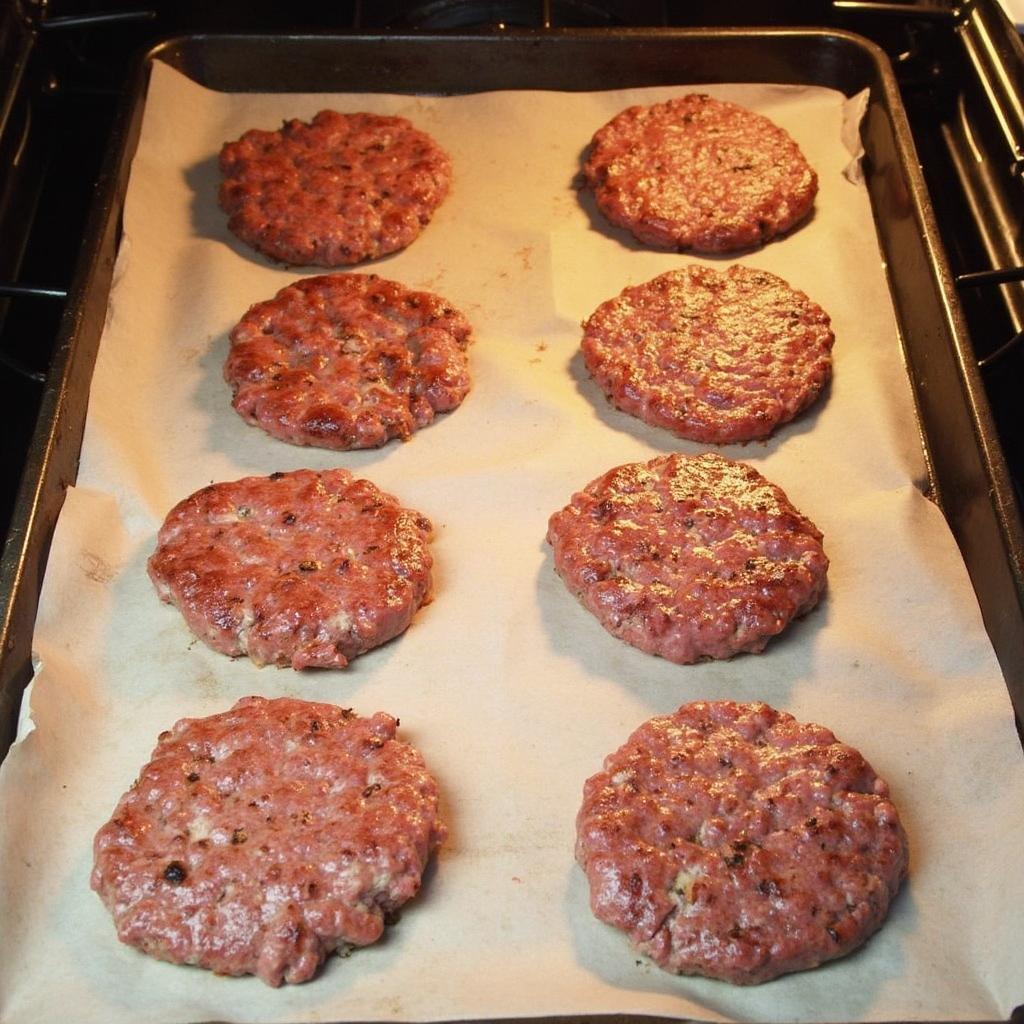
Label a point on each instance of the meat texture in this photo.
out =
(718, 357)
(689, 558)
(700, 174)
(259, 840)
(304, 569)
(339, 190)
(731, 841)
(347, 361)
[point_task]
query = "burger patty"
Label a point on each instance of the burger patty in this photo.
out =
(689, 557)
(341, 189)
(731, 841)
(347, 361)
(260, 840)
(699, 173)
(712, 356)
(307, 569)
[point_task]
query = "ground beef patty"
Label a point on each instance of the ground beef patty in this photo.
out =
(712, 356)
(699, 173)
(307, 569)
(689, 557)
(342, 189)
(259, 840)
(347, 361)
(732, 841)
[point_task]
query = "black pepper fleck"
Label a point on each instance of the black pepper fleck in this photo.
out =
(175, 872)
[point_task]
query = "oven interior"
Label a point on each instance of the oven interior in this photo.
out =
(66, 73)
(66, 70)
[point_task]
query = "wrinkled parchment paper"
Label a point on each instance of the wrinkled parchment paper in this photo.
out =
(511, 690)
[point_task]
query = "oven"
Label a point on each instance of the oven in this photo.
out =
(960, 70)
(69, 107)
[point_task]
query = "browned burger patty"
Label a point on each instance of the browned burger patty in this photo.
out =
(260, 840)
(347, 361)
(712, 356)
(689, 557)
(303, 569)
(341, 189)
(731, 841)
(699, 173)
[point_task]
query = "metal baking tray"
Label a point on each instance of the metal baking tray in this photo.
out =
(968, 477)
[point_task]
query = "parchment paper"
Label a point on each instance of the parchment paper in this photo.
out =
(511, 690)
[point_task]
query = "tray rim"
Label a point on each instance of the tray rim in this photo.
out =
(53, 458)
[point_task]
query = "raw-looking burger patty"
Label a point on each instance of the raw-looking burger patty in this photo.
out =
(260, 840)
(731, 841)
(342, 189)
(712, 356)
(701, 174)
(347, 361)
(303, 569)
(689, 557)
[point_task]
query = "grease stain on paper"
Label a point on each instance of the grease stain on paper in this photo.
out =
(96, 568)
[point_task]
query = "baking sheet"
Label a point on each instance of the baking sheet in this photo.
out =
(511, 690)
